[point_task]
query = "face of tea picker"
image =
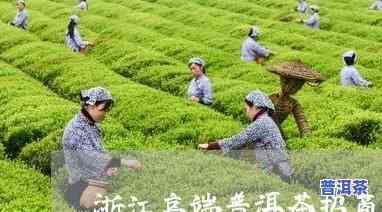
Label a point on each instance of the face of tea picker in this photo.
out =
(98, 112)
(250, 111)
(20, 5)
(196, 70)
(254, 32)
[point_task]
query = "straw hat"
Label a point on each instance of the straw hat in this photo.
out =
(297, 70)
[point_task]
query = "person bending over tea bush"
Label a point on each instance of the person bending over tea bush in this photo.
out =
(251, 50)
(350, 76)
(263, 135)
(314, 20)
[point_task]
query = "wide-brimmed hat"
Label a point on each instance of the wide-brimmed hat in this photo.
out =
(297, 70)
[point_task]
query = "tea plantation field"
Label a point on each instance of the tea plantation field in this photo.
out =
(141, 52)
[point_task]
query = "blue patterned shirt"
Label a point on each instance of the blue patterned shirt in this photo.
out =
(84, 153)
(377, 5)
(76, 43)
(263, 133)
(250, 50)
(351, 77)
(201, 87)
(313, 21)
(83, 6)
(302, 7)
(21, 19)
(265, 137)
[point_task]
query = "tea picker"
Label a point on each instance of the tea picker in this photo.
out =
(350, 76)
(263, 135)
(83, 5)
(21, 19)
(251, 50)
(200, 88)
(314, 20)
(302, 6)
(73, 38)
(377, 5)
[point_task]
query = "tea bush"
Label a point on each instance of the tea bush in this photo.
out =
(23, 189)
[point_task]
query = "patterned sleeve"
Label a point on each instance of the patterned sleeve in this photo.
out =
(191, 88)
(94, 163)
(83, 6)
(302, 7)
(357, 79)
(78, 39)
(21, 19)
(83, 161)
(259, 50)
(311, 21)
(71, 162)
(251, 133)
(207, 93)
